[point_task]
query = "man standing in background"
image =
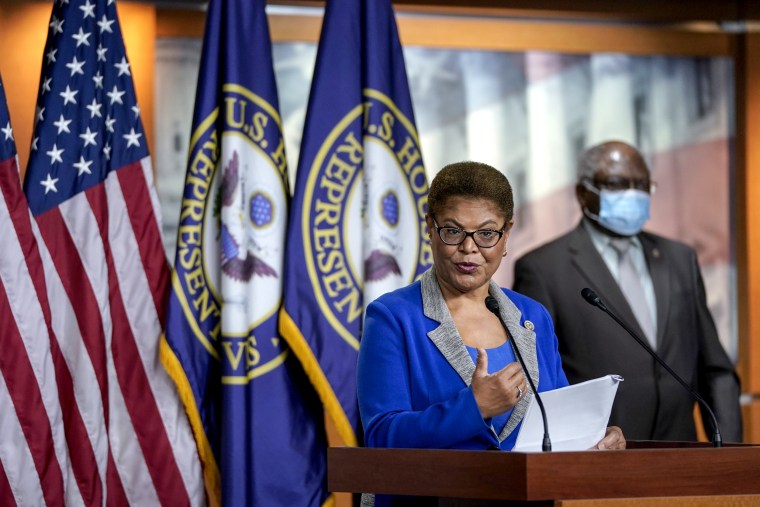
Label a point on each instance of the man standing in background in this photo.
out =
(651, 282)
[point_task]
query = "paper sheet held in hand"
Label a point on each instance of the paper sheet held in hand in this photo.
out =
(577, 416)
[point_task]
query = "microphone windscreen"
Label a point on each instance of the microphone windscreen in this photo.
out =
(590, 296)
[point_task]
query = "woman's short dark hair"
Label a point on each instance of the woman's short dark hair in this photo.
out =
(471, 179)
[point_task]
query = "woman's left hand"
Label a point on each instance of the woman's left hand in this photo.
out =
(613, 439)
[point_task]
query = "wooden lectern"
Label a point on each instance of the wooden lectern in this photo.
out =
(682, 472)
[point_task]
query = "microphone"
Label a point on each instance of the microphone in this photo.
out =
(591, 297)
(493, 307)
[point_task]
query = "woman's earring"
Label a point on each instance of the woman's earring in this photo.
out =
(505, 253)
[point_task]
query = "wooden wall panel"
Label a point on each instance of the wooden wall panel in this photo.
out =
(23, 32)
(748, 223)
(494, 33)
(512, 35)
(180, 22)
(618, 10)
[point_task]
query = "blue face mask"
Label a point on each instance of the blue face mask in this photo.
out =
(621, 211)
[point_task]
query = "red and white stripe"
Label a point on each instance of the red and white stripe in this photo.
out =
(89, 416)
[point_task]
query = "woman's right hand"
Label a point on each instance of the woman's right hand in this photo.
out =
(497, 392)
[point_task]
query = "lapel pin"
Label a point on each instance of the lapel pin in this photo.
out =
(656, 253)
(529, 325)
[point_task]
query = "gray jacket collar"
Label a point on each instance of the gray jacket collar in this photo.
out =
(446, 337)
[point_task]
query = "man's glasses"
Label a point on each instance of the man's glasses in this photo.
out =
(617, 184)
(484, 238)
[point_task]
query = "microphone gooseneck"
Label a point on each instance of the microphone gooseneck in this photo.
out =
(493, 307)
(593, 299)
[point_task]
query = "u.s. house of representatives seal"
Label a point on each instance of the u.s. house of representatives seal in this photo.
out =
(231, 235)
(363, 216)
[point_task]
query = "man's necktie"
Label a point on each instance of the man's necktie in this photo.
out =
(630, 285)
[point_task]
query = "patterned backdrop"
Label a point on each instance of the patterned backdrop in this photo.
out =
(529, 114)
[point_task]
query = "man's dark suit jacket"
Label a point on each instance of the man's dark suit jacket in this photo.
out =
(650, 404)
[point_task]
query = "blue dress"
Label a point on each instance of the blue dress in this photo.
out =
(498, 358)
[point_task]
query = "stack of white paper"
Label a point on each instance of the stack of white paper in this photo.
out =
(577, 416)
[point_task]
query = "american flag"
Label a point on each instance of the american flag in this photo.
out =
(18, 296)
(88, 416)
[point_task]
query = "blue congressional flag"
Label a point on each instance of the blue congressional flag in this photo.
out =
(357, 225)
(258, 422)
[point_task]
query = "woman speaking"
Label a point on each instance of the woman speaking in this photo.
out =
(436, 368)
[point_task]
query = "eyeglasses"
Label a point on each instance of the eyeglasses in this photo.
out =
(484, 238)
(617, 184)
